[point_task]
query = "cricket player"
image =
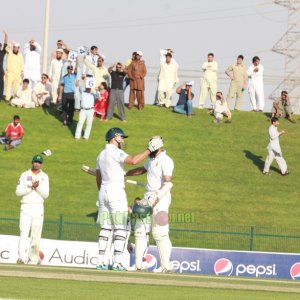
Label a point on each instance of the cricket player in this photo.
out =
(256, 85)
(33, 187)
(238, 76)
(209, 81)
(159, 169)
(113, 206)
(274, 149)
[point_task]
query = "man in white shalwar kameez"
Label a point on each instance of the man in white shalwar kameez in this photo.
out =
(167, 80)
(55, 73)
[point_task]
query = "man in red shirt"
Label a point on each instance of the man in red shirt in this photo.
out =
(14, 133)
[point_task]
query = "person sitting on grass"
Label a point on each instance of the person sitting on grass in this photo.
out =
(221, 109)
(185, 101)
(282, 107)
(23, 97)
(14, 133)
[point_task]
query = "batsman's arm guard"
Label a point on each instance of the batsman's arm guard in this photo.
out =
(153, 199)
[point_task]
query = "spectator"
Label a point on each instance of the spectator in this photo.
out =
(14, 69)
(24, 96)
(67, 93)
(164, 52)
(127, 64)
(65, 50)
(92, 59)
(42, 92)
(101, 104)
(33, 187)
(185, 101)
(55, 73)
(136, 72)
(116, 95)
(14, 133)
(282, 107)
(167, 80)
(274, 149)
(209, 81)
(256, 85)
(221, 109)
(32, 69)
(86, 114)
(99, 72)
(238, 76)
(2, 55)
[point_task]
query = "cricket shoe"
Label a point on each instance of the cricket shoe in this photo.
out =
(163, 270)
(102, 267)
(134, 268)
(118, 267)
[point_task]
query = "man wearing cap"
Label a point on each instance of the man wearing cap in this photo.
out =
(67, 94)
(209, 81)
(136, 73)
(55, 73)
(62, 46)
(167, 79)
(33, 187)
(32, 68)
(14, 69)
(113, 206)
(2, 55)
(86, 114)
(185, 101)
(14, 133)
(238, 76)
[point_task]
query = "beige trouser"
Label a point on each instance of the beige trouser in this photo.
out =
(206, 86)
(40, 100)
(54, 87)
(21, 103)
(279, 159)
(12, 82)
(235, 90)
(165, 98)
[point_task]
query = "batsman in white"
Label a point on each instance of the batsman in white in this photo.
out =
(159, 168)
(33, 187)
(113, 206)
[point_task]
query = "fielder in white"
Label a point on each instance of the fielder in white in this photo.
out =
(32, 67)
(159, 170)
(274, 149)
(113, 206)
(33, 187)
(256, 85)
(209, 81)
(86, 114)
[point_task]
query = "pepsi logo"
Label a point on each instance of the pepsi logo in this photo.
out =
(151, 262)
(223, 266)
(295, 271)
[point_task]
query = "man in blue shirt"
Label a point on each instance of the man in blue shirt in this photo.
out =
(67, 92)
(185, 101)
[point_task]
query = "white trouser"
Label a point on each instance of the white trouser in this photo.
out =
(257, 97)
(88, 116)
(208, 86)
(279, 159)
(54, 88)
(219, 115)
(165, 98)
(113, 215)
(31, 221)
(40, 100)
(19, 102)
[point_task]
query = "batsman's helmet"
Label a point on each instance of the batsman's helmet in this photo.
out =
(141, 211)
(114, 132)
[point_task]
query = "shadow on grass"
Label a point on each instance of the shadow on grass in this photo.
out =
(257, 161)
(93, 215)
(52, 110)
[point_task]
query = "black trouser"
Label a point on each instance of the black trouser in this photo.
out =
(1, 82)
(68, 103)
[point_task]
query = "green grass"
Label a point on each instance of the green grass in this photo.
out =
(217, 174)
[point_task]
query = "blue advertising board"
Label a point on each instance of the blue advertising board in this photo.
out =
(230, 263)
